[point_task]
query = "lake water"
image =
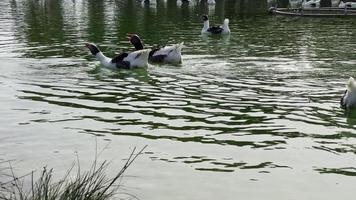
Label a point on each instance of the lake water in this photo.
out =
(251, 116)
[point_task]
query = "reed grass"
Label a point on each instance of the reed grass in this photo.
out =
(93, 184)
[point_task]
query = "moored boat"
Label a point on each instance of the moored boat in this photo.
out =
(315, 12)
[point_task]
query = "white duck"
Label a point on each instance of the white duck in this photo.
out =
(123, 61)
(207, 29)
(348, 100)
(168, 54)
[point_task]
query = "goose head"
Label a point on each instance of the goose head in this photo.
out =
(204, 18)
(135, 41)
(92, 48)
(351, 85)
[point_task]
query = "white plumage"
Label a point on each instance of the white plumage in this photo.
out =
(349, 98)
(172, 54)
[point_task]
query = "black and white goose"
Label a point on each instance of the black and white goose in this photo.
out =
(168, 54)
(123, 60)
(207, 29)
(348, 100)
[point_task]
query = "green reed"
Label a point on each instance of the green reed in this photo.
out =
(92, 184)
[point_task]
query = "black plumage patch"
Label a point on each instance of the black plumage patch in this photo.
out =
(123, 65)
(92, 48)
(342, 103)
(153, 51)
(119, 57)
(204, 17)
(215, 30)
(158, 58)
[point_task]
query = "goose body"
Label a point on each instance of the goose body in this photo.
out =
(207, 29)
(136, 59)
(348, 100)
(168, 54)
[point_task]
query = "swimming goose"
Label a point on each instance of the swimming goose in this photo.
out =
(207, 29)
(167, 54)
(348, 100)
(123, 60)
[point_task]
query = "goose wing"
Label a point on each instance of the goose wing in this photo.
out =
(167, 54)
(167, 49)
(119, 61)
(215, 29)
(158, 54)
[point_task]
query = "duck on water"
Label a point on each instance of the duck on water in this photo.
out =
(207, 29)
(136, 59)
(168, 54)
(348, 100)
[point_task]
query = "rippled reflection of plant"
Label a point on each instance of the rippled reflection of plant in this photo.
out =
(90, 185)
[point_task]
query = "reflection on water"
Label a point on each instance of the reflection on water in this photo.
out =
(257, 108)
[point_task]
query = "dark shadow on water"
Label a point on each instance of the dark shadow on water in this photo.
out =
(346, 171)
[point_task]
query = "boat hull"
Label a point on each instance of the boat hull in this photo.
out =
(314, 12)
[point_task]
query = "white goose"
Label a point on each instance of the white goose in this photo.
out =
(207, 29)
(123, 61)
(168, 54)
(348, 100)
